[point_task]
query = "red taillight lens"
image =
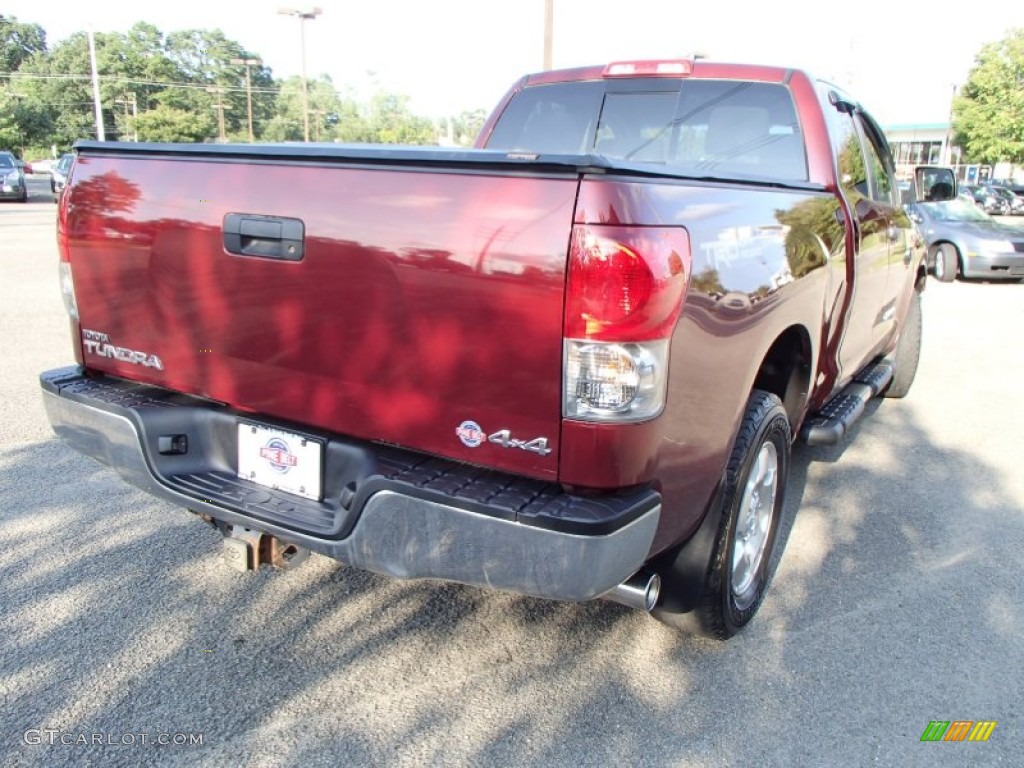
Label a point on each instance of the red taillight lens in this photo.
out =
(62, 223)
(625, 283)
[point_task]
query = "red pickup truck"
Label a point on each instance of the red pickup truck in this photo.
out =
(568, 363)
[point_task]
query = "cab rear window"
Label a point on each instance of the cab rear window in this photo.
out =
(713, 128)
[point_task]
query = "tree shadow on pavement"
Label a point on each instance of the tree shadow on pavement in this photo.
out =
(897, 601)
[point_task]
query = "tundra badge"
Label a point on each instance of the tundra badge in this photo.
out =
(99, 344)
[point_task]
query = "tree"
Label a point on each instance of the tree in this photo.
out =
(391, 122)
(168, 124)
(988, 113)
(204, 59)
(178, 87)
(18, 42)
(140, 71)
(465, 127)
(333, 116)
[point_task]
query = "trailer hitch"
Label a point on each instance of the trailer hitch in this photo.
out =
(246, 550)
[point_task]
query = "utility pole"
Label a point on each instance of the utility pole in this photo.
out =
(947, 140)
(100, 135)
(135, 118)
(220, 106)
(302, 16)
(318, 114)
(248, 88)
(549, 24)
(126, 101)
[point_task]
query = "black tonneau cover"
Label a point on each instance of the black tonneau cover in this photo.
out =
(426, 158)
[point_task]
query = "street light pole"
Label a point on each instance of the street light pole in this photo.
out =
(947, 140)
(549, 23)
(302, 16)
(248, 88)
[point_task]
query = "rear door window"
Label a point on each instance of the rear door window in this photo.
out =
(637, 126)
(730, 128)
(554, 119)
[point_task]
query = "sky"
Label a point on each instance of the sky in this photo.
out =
(899, 58)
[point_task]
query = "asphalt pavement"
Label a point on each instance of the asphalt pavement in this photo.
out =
(898, 601)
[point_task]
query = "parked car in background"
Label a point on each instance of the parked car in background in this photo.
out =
(966, 196)
(986, 199)
(1014, 204)
(1017, 189)
(964, 241)
(59, 175)
(42, 165)
(12, 178)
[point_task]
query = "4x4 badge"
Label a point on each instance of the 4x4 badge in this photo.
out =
(505, 440)
(473, 436)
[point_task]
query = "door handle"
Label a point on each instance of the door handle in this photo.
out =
(267, 237)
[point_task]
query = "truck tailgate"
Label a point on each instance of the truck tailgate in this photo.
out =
(385, 303)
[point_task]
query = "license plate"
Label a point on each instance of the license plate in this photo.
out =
(280, 460)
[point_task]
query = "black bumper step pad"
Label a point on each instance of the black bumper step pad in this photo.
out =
(354, 470)
(833, 421)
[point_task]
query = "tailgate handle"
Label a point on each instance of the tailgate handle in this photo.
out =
(268, 237)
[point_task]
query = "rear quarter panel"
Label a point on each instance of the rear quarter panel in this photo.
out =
(763, 262)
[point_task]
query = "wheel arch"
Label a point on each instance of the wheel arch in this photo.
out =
(786, 370)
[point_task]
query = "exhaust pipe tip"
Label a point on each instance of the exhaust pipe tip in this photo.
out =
(640, 591)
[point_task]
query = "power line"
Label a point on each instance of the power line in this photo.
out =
(135, 81)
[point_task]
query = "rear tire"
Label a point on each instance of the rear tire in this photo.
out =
(908, 351)
(946, 262)
(742, 563)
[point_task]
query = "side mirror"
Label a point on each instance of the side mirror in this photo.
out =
(935, 183)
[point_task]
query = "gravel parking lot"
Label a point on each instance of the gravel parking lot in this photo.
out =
(898, 601)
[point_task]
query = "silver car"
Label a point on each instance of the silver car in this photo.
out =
(59, 175)
(965, 241)
(12, 180)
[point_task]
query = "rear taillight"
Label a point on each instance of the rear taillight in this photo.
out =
(67, 282)
(67, 290)
(625, 291)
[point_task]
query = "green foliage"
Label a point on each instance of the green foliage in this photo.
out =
(18, 42)
(464, 128)
(176, 87)
(337, 117)
(173, 125)
(988, 113)
(392, 123)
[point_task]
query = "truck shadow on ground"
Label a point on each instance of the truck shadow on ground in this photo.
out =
(119, 617)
